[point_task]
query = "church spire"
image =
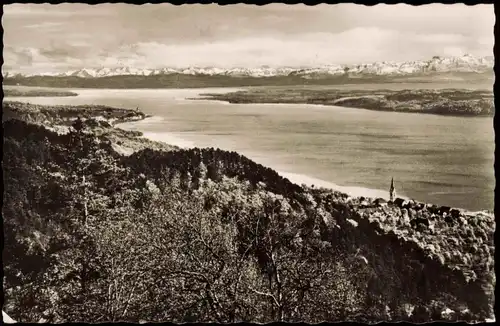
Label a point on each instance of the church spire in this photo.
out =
(392, 191)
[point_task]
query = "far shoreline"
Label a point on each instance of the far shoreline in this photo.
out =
(453, 102)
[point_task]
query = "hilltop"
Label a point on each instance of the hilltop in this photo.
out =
(180, 235)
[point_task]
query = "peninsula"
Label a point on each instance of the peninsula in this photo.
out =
(456, 102)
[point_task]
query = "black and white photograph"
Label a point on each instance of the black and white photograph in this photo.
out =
(235, 163)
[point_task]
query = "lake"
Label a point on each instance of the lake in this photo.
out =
(437, 159)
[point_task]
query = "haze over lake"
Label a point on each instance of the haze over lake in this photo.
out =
(437, 159)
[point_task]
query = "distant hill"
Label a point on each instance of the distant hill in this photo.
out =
(463, 68)
(35, 93)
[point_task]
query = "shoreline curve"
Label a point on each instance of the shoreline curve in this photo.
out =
(299, 179)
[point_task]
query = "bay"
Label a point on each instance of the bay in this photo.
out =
(438, 159)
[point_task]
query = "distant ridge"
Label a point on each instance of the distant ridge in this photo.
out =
(461, 64)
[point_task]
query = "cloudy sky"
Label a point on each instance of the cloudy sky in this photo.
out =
(53, 38)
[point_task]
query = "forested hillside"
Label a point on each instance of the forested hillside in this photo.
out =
(207, 235)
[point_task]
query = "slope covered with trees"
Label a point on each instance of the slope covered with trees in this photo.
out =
(210, 236)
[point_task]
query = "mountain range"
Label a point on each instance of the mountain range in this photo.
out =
(460, 64)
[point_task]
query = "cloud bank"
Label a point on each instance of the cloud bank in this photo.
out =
(40, 40)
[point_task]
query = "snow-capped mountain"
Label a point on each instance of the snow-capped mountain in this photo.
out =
(466, 63)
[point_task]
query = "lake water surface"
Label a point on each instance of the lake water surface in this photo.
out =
(437, 159)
